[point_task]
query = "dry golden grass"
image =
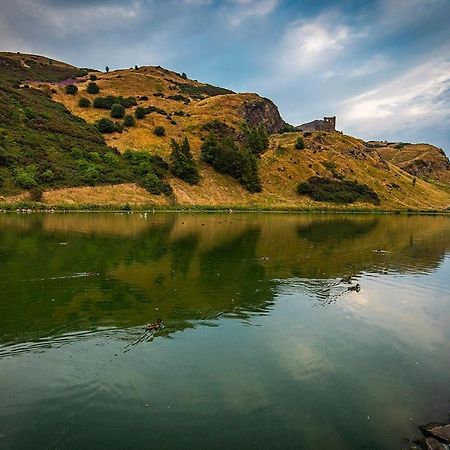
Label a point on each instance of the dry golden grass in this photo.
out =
(282, 167)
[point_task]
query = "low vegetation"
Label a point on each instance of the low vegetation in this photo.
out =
(183, 165)
(329, 190)
(108, 101)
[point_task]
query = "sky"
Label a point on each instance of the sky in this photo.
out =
(382, 66)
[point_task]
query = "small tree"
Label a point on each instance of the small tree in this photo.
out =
(159, 131)
(105, 125)
(107, 69)
(117, 111)
(128, 121)
(184, 76)
(300, 143)
(93, 77)
(84, 102)
(140, 112)
(136, 67)
(182, 162)
(92, 88)
(71, 89)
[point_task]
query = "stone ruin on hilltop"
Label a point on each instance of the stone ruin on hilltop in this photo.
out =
(327, 124)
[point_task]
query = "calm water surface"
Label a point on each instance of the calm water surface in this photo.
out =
(263, 348)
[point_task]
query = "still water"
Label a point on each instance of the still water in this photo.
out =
(263, 346)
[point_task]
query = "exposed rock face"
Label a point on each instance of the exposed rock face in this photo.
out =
(327, 124)
(440, 431)
(263, 111)
(431, 444)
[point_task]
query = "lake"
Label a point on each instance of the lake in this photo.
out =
(263, 346)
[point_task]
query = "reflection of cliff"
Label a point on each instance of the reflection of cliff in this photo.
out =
(188, 267)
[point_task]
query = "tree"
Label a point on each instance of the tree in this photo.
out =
(117, 111)
(92, 88)
(184, 76)
(128, 121)
(136, 67)
(71, 89)
(84, 102)
(159, 131)
(256, 138)
(105, 125)
(107, 69)
(140, 112)
(183, 165)
(300, 143)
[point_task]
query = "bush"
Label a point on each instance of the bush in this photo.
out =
(140, 112)
(328, 190)
(26, 177)
(300, 143)
(128, 121)
(182, 162)
(256, 138)
(105, 125)
(330, 165)
(110, 100)
(71, 89)
(92, 88)
(117, 111)
(159, 131)
(184, 76)
(36, 194)
(179, 98)
(226, 157)
(84, 102)
(93, 77)
(288, 128)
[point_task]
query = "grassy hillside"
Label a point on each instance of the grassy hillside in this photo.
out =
(421, 160)
(49, 140)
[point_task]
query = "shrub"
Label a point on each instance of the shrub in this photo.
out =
(179, 98)
(328, 190)
(36, 194)
(47, 175)
(26, 177)
(140, 112)
(92, 88)
(256, 138)
(182, 162)
(84, 102)
(288, 128)
(117, 111)
(110, 100)
(184, 76)
(128, 121)
(300, 143)
(159, 131)
(71, 89)
(226, 157)
(93, 77)
(105, 125)
(330, 165)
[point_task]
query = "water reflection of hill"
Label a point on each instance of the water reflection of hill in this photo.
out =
(189, 267)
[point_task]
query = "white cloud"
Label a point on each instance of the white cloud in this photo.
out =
(373, 65)
(83, 18)
(308, 44)
(417, 99)
(198, 2)
(247, 9)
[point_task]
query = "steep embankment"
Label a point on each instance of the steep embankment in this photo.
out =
(183, 108)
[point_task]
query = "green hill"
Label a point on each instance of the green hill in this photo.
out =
(52, 150)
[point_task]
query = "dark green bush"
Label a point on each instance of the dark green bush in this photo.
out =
(288, 128)
(93, 77)
(256, 138)
(84, 102)
(140, 112)
(328, 190)
(117, 111)
(92, 88)
(159, 131)
(71, 89)
(179, 98)
(110, 100)
(105, 125)
(183, 165)
(128, 121)
(226, 157)
(300, 143)
(26, 177)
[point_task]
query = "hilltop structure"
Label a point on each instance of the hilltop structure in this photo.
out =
(327, 124)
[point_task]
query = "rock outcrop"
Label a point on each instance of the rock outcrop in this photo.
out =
(327, 124)
(263, 111)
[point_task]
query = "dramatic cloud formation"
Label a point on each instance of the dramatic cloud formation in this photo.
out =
(382, 66)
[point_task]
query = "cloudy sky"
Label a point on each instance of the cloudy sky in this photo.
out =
(382, 66)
